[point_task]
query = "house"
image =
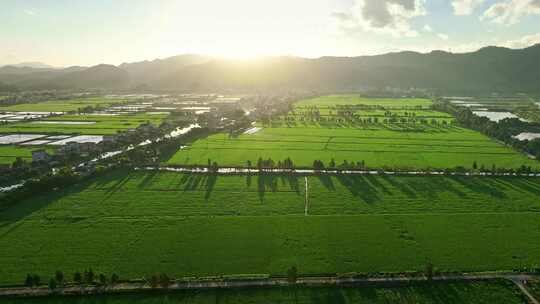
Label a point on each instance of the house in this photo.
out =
(109, 139)
(87, 147)
(40, 156)
(146, 128)
(71, 147)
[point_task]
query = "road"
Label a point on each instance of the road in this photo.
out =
(269, 282)
(237, 170)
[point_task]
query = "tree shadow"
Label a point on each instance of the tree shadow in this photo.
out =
(326, 181)
(266, 182)
(209, 185)
(360, 188)
(147, 179)
(485, 186)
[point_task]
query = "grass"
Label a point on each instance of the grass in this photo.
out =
(104, 125)
(474, 292)
(9, 153)
(197, 225)
(61, 105)
(534, 288)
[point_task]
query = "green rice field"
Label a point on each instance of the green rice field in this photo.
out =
(9, 153)
(400, 134)
(338, 100)
(205, 225)
(92, 124)
(61, 105)
(438, 148)
(492, 292)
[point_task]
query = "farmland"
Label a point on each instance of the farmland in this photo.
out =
(383, 133)
(83, 124)
(8, 154)
(475, 292)
(67, 105)
(337, 100)
(199, 225)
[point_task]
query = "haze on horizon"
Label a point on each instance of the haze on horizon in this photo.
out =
(64, 33)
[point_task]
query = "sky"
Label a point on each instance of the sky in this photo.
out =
(89, 32)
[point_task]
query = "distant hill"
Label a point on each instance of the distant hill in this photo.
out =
(491, 69)
(151, 72)
(34, 65)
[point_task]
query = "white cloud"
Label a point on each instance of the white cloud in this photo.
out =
(520, 43)
(427, 29)
(29, 12)
(511, 11)
(465, 7)
(523, 42)
(443, 36)
(382, 16)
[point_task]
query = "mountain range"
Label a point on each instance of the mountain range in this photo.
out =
(490, 69)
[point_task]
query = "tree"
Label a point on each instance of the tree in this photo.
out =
(332, 164)
(475, 165)
(154, 281)
(429, 271)
(52, 284)
(59, 277)
(36, 279)
(29, 281)
(77, 277)
(292, 275)
(89, 276)
(164, 280)
(102, 279)
(114, 278)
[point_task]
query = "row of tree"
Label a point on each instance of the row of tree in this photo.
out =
(60, 280)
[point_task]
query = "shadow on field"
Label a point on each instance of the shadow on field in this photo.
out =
(193, 182)
(373, 189)
(327, 182)
(25, 208)
(271, 183)
(485, 186)
(360, 187)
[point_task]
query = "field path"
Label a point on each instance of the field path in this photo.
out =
(264, 282)
(242, 170)
(306, 202)
(519, 284)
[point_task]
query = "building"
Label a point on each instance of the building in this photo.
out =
(40, 156)
(109, 139)
(71, 147)
(87, 147)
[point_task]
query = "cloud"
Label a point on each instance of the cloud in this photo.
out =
(523, 42)
(427, 29)
(511, 11)
(465, 7)
(443, 36)
(30, 12)
(382, 16)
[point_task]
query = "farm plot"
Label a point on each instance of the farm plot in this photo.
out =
(199, 225)
(62, 105)
(83, 124)
(8, 154)
(493, 292)
(382, 133)
(338, 100)
(377, 147)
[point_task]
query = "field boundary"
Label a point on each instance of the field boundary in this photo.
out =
(516, 278)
